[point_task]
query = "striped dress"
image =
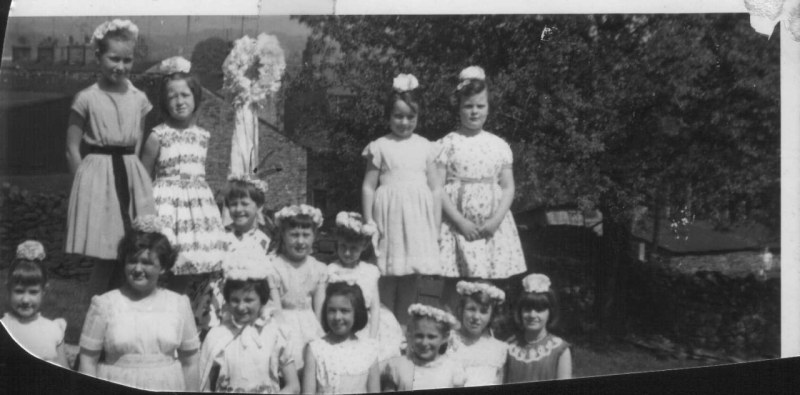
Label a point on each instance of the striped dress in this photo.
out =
(183, 196)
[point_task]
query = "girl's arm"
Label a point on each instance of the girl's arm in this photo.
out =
(319, 299)
(309, 372)
(368, 190)
(436, 190)
(191, 375)
(292, 383)
(463, 225)
(564, 365)
(61, 356)
(75, 130)
(89, 360)
(150, 154)
(374, 379)
(141, 136)
(213, 375)
(374, 314)
(507, 196)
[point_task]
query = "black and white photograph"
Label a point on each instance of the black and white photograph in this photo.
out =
(267, 198)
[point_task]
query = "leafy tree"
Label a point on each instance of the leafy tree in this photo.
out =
(602, 111)
(141, 50)
(207, 58)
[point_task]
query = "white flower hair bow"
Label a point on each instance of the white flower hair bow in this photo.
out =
(536, 283)
(470, 73)
(175, 64)
(31, 250)
(405, 83)
(116, 24)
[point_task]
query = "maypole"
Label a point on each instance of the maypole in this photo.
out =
(253, 72)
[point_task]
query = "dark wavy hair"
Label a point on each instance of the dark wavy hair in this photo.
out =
(356, 296)
(194, 87)
(238, 189)
(412, 99)
(135, 242)
(473, 87)
(260, 286)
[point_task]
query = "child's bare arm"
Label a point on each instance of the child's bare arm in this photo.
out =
(291, 381)
(318, 299)
(89, 361)
(189, 362)
(75, 130)
(374, 314)
(507, 187)
(368, 190)
(450, 211)
(435, 183)
(61, 356)
(564, 365)
(141, 136)
(309, 372)
(150, 154)
(374, 379)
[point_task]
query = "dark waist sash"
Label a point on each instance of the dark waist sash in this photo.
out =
(120, 177)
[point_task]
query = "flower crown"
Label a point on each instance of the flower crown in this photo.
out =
(348, 279)
(355, 222)
(261, 185)
(302, 209)
(150, 223)
(31, 250)
(175, 64)
(536, 283)
(438, 315)
(468, 74)
(245, 265)
(494, 293)
(405, 82)
(110, 26)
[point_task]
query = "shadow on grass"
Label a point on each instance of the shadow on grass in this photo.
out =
(621, 358)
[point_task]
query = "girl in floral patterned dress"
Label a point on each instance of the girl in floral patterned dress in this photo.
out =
(483, 356)
(341, 362)
(176, 150)
(534, 353)
(478, 236)
(299, 277)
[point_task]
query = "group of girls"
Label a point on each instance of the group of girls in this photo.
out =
(206, 300)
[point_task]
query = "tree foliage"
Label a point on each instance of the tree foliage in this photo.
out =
(601, 111)
(207, 59)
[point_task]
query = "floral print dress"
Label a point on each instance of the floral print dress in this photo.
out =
(473, 167)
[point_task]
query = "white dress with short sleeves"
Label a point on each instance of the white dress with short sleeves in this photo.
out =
(140, 338)
(343, 368)
(484, 360)
(38, 335)
(390, 334)
(473, 167)
(403, 208)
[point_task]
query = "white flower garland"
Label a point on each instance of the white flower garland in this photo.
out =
(116, 24)
(421, 310)
(154, 224)
(470, 73)
(355, 222)
(261, 185)
(31, 250)
(266, 56)
(494, 293)
(302, 209)
(536, 283)
(349, 279)
(405, 83)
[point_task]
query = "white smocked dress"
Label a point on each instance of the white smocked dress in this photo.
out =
(343, 368)
(484, 360)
